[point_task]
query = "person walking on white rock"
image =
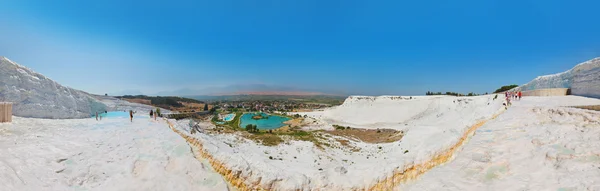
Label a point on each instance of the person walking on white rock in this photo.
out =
(131, 115)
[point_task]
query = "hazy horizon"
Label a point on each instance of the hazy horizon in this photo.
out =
(367, 48)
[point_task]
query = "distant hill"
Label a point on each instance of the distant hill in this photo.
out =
(34, 95)
(173, 103)
(291, 93)
(583, 79)
(321, 99)
(242, 89)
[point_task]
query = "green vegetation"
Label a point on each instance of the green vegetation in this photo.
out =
(264, 138)
(273, 138)
(268, 137)
(236, 120)
(252, 128)
(178, 116)
(339, 127)
(506, 88)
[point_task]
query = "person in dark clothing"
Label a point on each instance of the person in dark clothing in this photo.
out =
(131, 115)
(151, 114)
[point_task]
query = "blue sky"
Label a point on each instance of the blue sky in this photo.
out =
(353, 47)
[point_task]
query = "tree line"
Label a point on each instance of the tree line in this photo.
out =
(506, 88)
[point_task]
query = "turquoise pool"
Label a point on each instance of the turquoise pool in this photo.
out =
(269, 122)
(229, 117)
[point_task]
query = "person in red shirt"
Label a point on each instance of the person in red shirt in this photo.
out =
(520, 94)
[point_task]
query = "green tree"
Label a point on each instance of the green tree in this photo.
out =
(206, 107)
(506, 88)
(251, 128)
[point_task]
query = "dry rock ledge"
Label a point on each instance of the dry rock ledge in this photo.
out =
(232, 177)
(414, 171)
(244, 180)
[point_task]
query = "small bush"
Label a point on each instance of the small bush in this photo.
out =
(339, 127)
(406, 151)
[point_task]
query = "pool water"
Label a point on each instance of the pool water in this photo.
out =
(229, 117)
(269, 122)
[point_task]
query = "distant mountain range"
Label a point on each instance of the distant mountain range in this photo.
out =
(246, 89)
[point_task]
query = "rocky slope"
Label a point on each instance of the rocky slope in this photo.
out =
(37, 96)
(583, 79)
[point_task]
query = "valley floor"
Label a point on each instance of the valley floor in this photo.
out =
(111, 154)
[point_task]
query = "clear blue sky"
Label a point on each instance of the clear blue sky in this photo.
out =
(357, 47)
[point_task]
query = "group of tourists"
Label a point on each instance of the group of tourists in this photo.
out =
(131, 112)
(512, 95)
(154, 114)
